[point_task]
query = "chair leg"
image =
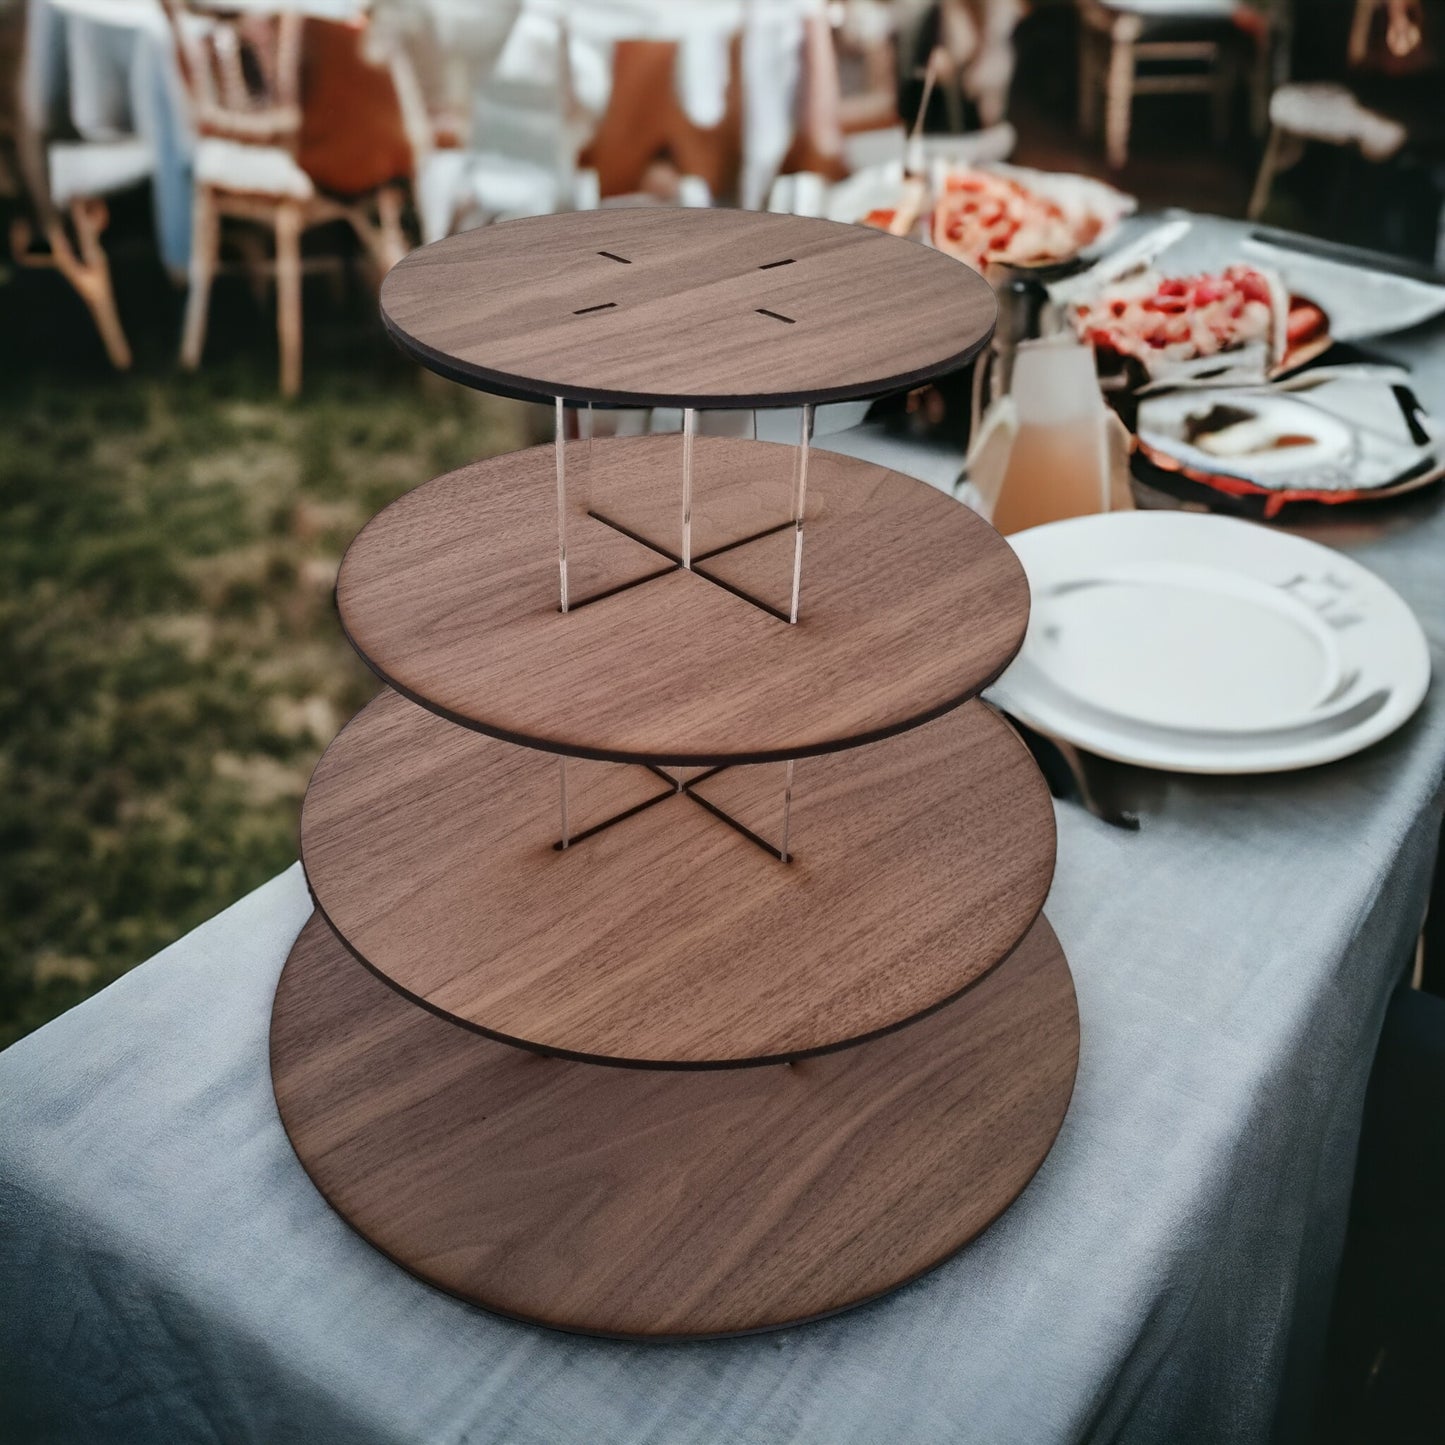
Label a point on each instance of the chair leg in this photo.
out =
(1119, 102)
(288, 294)
(89, 272)
(205, 251)
(1264, 181)
(255, 254)
(1088, 85)
(1259, 88)
(1222, 97)
(953, 104)
(384, 239)
(389, 203)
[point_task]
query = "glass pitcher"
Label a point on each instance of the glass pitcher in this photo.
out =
(1059, 462)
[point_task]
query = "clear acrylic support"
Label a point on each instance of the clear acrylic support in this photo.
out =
(800, 502)
(689, 431)
(559, 444)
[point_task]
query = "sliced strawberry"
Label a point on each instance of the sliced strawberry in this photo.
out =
(1305, 322)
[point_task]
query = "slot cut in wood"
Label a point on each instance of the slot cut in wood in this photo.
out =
(686, 789)
(675, 788)
(620, 587)
(566, 845)
(696, 568)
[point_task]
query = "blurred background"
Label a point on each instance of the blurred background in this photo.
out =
(200, 407)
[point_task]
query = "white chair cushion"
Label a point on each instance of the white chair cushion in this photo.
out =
(253, 169)
(503, 184)
(1176, 9)
(1324, 111)
(97, 168)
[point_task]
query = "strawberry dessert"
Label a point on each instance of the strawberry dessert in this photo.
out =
(1179, 318)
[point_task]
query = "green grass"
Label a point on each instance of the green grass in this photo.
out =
(170, 660)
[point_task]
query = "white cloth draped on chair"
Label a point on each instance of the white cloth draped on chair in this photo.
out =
(541, 75)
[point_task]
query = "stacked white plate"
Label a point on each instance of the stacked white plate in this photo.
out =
(1203, 644)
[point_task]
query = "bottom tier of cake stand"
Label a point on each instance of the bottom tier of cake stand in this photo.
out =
(668, 1203)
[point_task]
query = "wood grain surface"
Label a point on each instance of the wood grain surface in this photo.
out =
(661, 1203)
(654, 306)
(910, 604)
(669, 938)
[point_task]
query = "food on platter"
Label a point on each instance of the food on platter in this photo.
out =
(1305, 325)
(899, 216)
(1350, 436)
(1179, 318)
(1007, 216)
(1166, 322)
(1237, 431)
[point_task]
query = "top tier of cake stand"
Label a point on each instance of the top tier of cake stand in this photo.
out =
(706, 309)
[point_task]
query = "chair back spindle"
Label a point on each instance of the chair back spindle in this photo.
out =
(241, 72)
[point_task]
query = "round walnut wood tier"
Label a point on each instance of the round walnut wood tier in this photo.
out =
(910, 603)
(641, 1203)
(699, 308)
(671, 936)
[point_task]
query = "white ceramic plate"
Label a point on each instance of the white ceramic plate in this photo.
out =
(1203, 644)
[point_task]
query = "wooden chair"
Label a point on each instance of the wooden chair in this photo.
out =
(64, 184)
(959, 54)
(1326, 112)
(1329, 112)
(1196, 42)
(243, 76)
(12, 58)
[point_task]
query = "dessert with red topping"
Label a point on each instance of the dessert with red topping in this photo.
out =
(1180, 318)
(983, 217)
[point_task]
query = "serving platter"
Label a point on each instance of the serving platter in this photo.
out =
(1033, 223)
(1238, 324)
(1369, 293)
(1332, 435)
(888, 198)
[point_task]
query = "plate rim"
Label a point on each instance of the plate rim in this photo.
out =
(1406, 695)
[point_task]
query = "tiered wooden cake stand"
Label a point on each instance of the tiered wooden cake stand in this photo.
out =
(662, 1031)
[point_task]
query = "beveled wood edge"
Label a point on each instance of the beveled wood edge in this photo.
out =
(692, 1065)
(666, 1339)
(522, 388)
(675, 758)
(526, 389)
(519, 388)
